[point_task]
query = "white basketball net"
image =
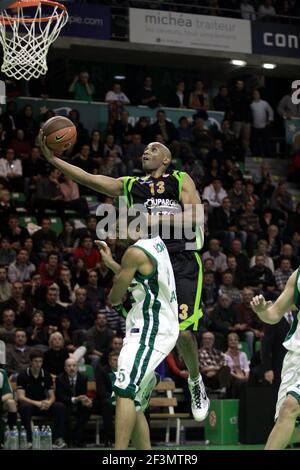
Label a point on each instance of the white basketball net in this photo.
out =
(25, 45)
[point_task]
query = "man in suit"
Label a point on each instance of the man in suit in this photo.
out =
(71, 390)
(178, 98)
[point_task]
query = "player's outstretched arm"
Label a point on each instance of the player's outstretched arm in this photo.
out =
(270, 312)
(101, 184)
(190, 196)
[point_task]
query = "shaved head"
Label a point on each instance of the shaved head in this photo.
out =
(156, 157)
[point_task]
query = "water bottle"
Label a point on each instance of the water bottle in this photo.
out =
(7, 438)
(23, 438)
(36, 438)
(14, 439)
(49, 438)
(182, 435)
(43, 438)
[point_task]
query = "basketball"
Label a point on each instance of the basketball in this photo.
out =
(60, 134)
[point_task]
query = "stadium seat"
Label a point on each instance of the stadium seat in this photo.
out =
(56, 225)
(25, 220)
(88, 370)
(19, 200)
(245, 348)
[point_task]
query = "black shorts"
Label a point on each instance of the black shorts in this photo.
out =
(187, 269)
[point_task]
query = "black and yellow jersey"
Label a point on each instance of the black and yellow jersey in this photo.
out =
(161, 196)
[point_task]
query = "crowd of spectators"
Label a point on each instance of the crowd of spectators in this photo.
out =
(54, 286)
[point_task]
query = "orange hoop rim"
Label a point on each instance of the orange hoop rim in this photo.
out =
(32, 3)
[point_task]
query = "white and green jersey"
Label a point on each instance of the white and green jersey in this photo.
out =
(153, 319)
(292, 341)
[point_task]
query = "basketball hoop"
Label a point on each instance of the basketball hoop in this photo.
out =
(27, 30)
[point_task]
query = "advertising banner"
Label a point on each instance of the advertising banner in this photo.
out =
(88, 21)
(276, 39)
(168, 28)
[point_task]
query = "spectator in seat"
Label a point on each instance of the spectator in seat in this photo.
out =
(83, 160)
(262, 249)
(260, 278)
(88, 254)
(214, 193)
(142, 128)
(66, 287)
(71, 390)
(96, 146)
(116, 95)
(148, 95)
(37, 333)
(249, 223)
(71, 197)
(252, 326)
(266, 11)
(7, 254)
(50, 271)
(116, 345)
(43, 236)
(237, 361)
(55, 356)
(247, 11)
(198, 98)
(222, 101)
(17, 355)
(95, 293)
(178, 99)
(18, 304)
(81, 88)
(98, 339)
(20, 144)
(67, 239)
(16, 234)
(209, 291)
(237, 196)
(228, 288)
(11, 171)
(214, 252)
(287, 252)
(21, 269)
(67, 333)
(225, 318)
(49, 195)
(224, 224)
(7, 206)
(212, 364)
(283, 273)
(281, 200)
(35, 393)
(82, 313)
(239, 276)
(5, 286)
(163, 127)
(34, 169)
(134, 154)
(52, 309)
(241, 258)
(7, 327)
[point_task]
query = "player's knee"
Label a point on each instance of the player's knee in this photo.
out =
(11, 405)
(184, 337)
(290, 408)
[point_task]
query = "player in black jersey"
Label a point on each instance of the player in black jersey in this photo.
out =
(162, 193)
